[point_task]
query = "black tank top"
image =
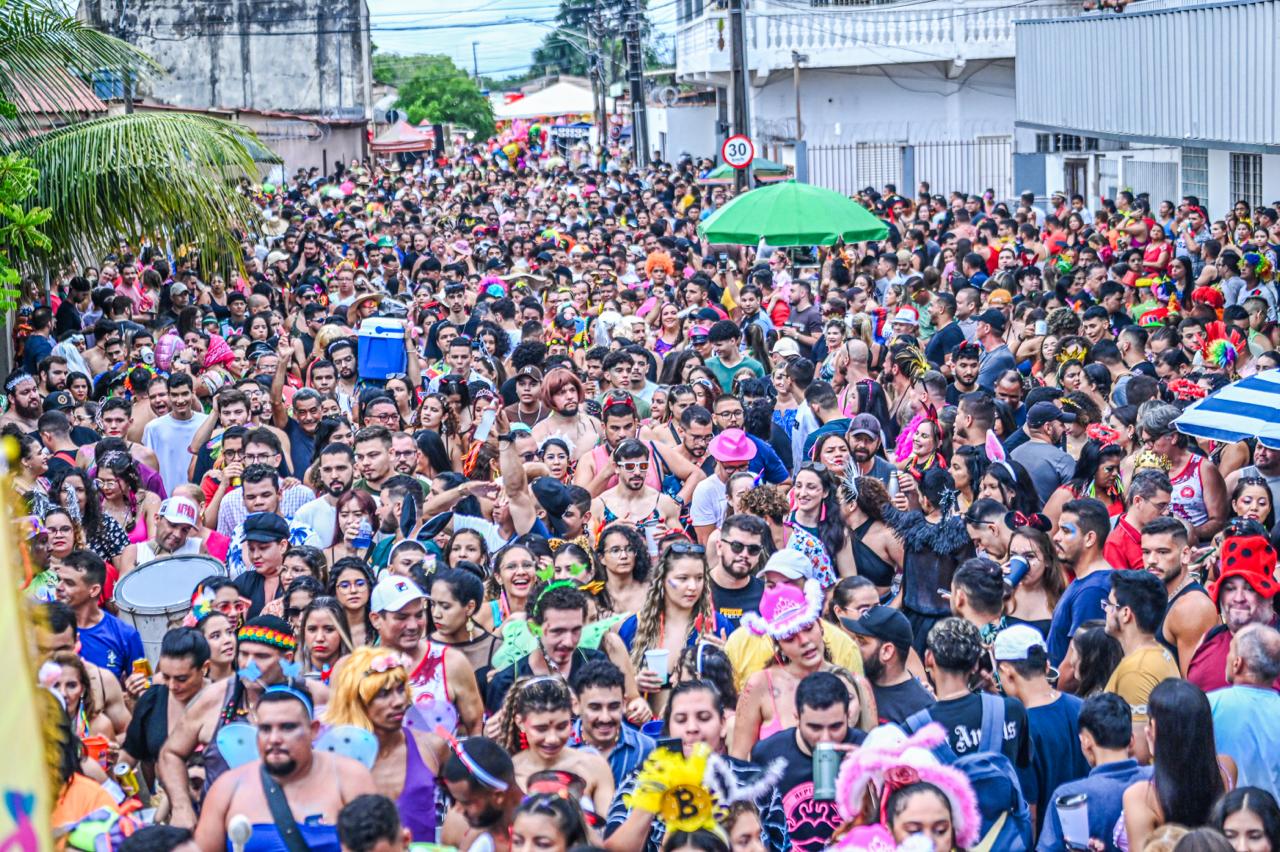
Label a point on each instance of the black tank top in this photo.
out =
(1160, 637)
(868, 562)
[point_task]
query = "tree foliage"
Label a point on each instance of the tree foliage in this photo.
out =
(72, 192)
(441, 93)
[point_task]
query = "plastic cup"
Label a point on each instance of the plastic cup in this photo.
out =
(658, 661)
(1073, 813)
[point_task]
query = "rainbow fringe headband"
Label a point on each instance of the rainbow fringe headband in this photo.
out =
(267, 636)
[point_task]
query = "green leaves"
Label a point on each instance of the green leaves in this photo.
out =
(165, 177)
(68, 194)
(441, 93)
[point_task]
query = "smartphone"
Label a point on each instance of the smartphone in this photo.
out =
(672, 744)
(486, 424)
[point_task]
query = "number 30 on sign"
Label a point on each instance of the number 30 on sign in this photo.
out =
(738, 151)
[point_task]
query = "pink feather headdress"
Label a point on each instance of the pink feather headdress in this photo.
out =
(890, 756)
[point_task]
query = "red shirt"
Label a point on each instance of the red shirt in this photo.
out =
(1123, 550)
(1208, 668)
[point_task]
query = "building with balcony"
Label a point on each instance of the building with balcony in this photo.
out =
(1160, 103)
(897, 92)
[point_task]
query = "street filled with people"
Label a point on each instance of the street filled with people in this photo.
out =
(486, 504)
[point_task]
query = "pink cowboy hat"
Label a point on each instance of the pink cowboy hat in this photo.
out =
(732, 445)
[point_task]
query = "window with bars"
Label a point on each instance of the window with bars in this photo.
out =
(1195, 173)
(1246, 178)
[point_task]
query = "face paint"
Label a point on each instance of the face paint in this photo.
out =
(1070, 529)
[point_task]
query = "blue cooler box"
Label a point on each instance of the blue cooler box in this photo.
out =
(380, 348)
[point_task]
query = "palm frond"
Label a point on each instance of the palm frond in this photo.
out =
(46, 55)
(168, 178)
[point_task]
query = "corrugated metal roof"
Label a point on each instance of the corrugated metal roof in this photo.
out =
(64, 94)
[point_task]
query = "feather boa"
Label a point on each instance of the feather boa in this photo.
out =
(902, 450)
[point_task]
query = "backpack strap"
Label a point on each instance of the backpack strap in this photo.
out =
(282, 814)
(992, 722)
(917, 720)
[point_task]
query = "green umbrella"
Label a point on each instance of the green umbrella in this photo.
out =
(792, 214)
(762, 169)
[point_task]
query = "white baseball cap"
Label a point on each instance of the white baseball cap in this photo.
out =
(180, 510)
(394, 594)
(791, 564)
(1016, 642)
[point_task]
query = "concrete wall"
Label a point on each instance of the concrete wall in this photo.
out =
(304, 56)
(898, 103)
(677, 130)
(303, 144)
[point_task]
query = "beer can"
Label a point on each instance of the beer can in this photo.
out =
(826, 765)
(127, 778)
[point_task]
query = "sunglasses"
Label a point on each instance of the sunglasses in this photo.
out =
(739, 546)
(633, 466)
(686, 547)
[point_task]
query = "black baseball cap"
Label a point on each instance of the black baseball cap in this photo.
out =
(59, 401)
(993, 318)
(884, 623)
(266, 526)
(553, 496)
(1046, 412)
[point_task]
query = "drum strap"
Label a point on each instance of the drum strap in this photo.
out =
(281, 814)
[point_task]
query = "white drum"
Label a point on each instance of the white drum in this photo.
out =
(156, 596)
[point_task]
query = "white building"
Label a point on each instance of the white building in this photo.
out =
(1157, 100)
(899, 91)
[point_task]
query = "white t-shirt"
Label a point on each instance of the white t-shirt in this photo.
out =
(168, 439)
(322, 517)
(709, 502)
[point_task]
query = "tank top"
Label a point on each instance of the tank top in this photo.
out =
(600, 455)
(266, 838)
(139, 533)
(774, 725)
(1189, 588)
(429, 687)
(1188, 493)
(868, 562)
(232, 709)
(417, 801)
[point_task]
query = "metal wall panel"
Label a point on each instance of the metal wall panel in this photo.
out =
(1193, 96)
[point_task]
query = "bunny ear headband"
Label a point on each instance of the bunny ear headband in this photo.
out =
(995, 452)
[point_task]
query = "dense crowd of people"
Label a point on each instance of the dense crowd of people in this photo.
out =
(504, 512)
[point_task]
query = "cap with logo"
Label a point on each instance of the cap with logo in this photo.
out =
(394, 594)
(59, 401)
(182, 510)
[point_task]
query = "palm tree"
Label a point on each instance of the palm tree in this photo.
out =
(167, 177)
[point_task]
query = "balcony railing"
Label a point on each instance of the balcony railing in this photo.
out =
(856, 35)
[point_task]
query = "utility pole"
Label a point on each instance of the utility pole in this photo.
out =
(796, 59)
(595, 69)
(475, 65)
(738, 64)
(632, 25)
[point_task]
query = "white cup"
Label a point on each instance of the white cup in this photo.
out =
(1073, 813)
(657, 661)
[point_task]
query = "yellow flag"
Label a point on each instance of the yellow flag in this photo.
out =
(25, 801)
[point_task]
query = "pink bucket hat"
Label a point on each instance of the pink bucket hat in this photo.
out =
(732, 445)
(786, 610)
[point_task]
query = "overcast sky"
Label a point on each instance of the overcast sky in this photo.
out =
(411, 26)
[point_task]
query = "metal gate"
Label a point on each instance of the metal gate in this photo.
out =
(970, 166)
(1159, 180)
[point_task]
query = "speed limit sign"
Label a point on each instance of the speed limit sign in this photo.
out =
(738, 151)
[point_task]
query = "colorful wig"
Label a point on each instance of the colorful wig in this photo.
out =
(365, 674)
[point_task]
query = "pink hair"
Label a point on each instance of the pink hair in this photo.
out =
(905, 438)
(887, 748)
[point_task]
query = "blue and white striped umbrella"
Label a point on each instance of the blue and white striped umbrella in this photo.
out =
(1249, 408)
